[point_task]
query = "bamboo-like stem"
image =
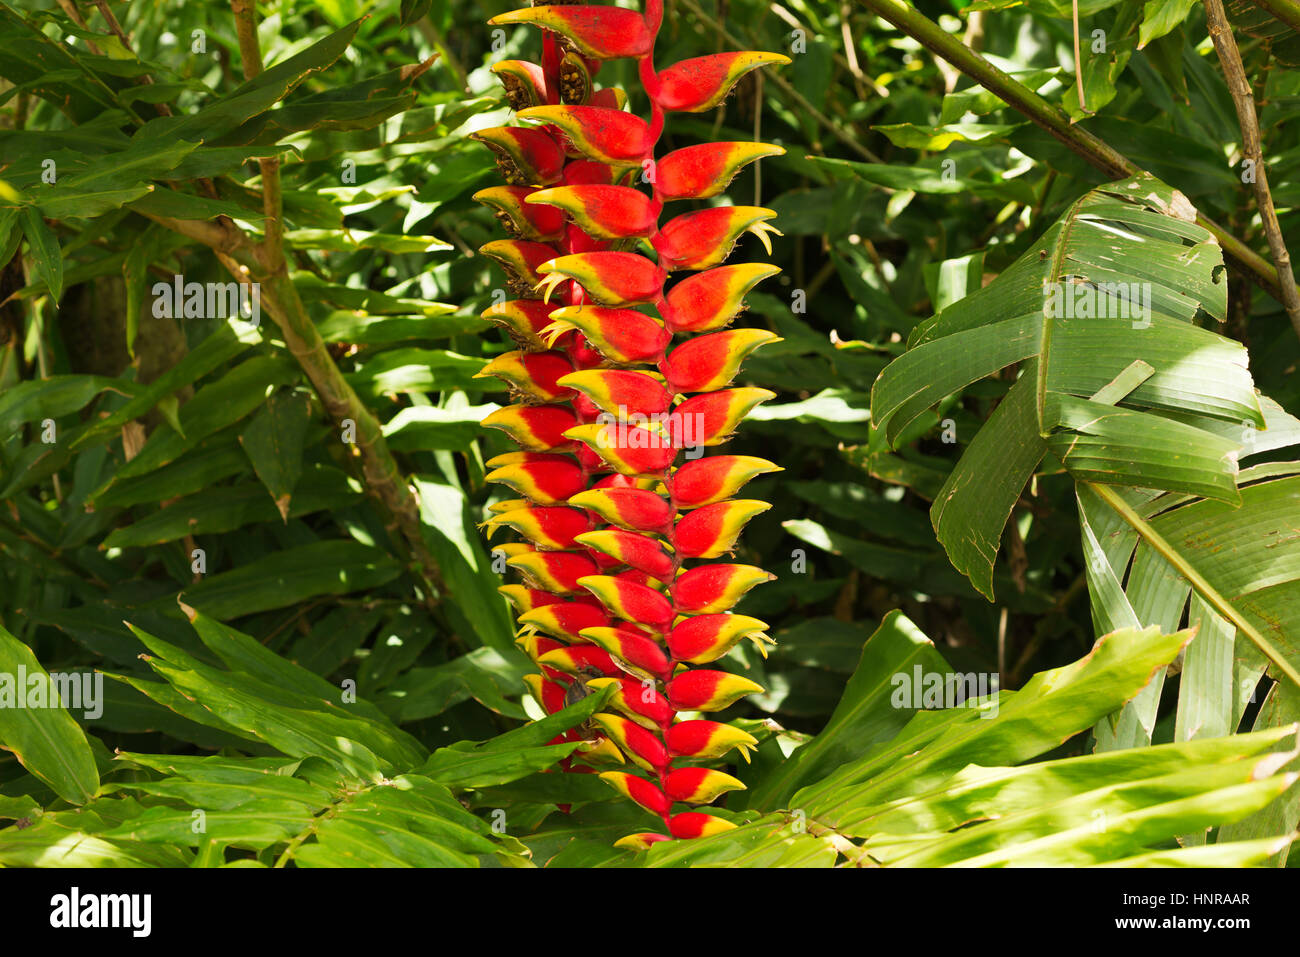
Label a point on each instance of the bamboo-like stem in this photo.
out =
(264, 262)
(250, 55)
(1225, 44)
(116, 28)
(69, 7)
(1055, 121)
(1198, 582)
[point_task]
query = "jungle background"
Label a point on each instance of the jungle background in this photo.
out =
(146, 460)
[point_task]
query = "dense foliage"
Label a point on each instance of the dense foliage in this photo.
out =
(1029, 447)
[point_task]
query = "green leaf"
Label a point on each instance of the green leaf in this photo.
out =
(44, 737)
(214, 406)
(510, 756)
(293, 575)
(226, 508)
(1161, 16)
(866, 713)
(45, 250)
(273, 441)
(57, 396)
(1117, 283)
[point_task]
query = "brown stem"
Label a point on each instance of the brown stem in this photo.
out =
(264, 262)
(1225, 44)
(70, 8)
(250, 55)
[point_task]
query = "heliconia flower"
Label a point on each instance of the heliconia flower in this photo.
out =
(699, 785)
(691, 824)
(524, 320)
(638, 700)
(706, 363)
(524, 83)
(526, 599)
(611, 278)
(636, 510)
(572, 659)
(557, 572)
(536, 647)
(598, 752)
(582, 172)
(597, 132)
(641, 841)
(709, 480)
(706, 589)
(630, 601)
(536, 428)
(610, 98)
(533, 222)
(698, 172)
(635, 653)
(605, 212)
(701, 83)
(706, 638)
(613, 390)
(704, 739)
(575, 85)
(701, 690)
(609, 528)
(614, 481)
(637, 551)
(620, 335)
(546, 483)
(565, 619)
(717, 414)
(525, 157)
(531, 375)
(600, 32)
(711, 531)
(522, 261)
(711, 299)
(638, 743)
(639, 790)
(548, 694)
(632, 450)
(549, 527)
(706, 237)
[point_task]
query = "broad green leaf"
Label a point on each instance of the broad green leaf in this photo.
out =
(293, 575)
(45, 250)
(865, 715)
(273, 441)
(38, 729)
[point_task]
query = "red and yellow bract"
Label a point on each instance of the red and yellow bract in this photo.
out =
(616, 373)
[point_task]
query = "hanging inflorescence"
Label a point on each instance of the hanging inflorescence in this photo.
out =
(614, 405)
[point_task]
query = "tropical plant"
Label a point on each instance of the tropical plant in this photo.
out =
(608, 522)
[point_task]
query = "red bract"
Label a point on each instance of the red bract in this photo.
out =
(610, 521)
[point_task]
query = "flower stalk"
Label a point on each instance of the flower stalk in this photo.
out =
(622, 379)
